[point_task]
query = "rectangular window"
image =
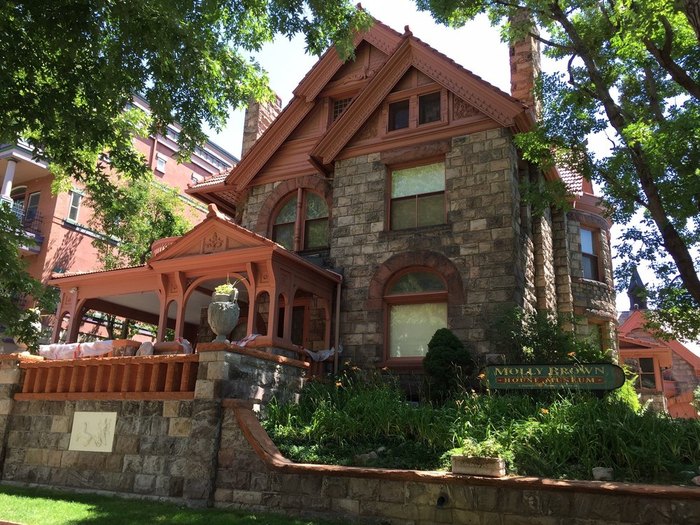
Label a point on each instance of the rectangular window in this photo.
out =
(643, 368)
(429, 108)
(32, 206)
(398, 115)
(418, 196)
(412, 325)
(160, 163)
(589, 254)
(74, 209)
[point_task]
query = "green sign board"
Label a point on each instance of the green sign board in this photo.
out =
(588, 376)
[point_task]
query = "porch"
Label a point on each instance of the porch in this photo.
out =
(287, 304)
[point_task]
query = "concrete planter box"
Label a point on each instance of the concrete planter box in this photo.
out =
(476, 466)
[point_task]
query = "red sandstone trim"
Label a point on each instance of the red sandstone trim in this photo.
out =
(104, 396)
(271, 456)
(250, 352)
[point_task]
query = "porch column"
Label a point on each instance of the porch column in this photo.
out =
(288, 316)
(252, 310)
(162, 319)
(273, 314)
(180, 318)
(7, 181)
(76, 319)
(327, 321)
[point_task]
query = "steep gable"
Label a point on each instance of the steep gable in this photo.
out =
(474, 96)
(215, 234)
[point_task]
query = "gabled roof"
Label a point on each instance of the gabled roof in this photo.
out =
(636, 321)
(404, 51)
(214, 234)
(412, 52)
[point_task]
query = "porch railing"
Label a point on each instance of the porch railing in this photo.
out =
(143, 377)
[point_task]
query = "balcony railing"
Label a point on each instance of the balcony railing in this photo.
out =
(31, 220)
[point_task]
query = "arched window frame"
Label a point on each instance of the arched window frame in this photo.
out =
(299, 242)
(410, 298)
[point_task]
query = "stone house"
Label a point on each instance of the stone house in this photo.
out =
(399, 170)
(396, 170)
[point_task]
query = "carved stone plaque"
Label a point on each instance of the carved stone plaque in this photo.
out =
(93, 431)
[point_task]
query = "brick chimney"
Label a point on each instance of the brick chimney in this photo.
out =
(258, 117)
(525, 65)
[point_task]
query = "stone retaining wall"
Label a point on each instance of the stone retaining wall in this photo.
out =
(253, 475)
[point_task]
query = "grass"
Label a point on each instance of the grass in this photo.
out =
(47, 507)
(541, 434)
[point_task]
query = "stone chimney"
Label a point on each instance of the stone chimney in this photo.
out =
(525, 65)
(258, 117)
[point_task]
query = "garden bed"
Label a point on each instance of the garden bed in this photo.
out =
(367, 422)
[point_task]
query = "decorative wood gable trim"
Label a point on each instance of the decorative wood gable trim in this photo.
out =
(214, 234)
(495, 104)
(380, 36)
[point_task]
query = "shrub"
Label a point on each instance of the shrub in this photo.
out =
(540, 338)
(447, 365)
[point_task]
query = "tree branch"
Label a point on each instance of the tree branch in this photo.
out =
(664, 58)
(654, 101)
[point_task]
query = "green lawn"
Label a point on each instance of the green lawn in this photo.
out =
(32, 506)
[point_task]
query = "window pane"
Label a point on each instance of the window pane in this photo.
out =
(417, 180)
(316, 234)
(412, 325)
(316, 207)
(288, 213)
(403, 214)
(429, 108)
(431, 210)
(32, 205)
(284, 234)
(398, 115)
(648, 381)
(417, 282)
(590, 267)
(646, 364)
(587, 241)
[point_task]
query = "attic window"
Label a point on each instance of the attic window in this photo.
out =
(339, 106)
(429, 108)
(398, 115)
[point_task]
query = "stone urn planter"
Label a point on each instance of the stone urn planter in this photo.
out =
(223, 311)
(478, 466)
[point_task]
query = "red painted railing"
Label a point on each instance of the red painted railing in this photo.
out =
(143, 377)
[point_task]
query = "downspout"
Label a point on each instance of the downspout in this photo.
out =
(337, 326)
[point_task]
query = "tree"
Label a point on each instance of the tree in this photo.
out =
(16, 284)
(632, 70)
(136, 213)
(70, 68)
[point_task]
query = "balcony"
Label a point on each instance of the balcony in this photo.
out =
(32, 223)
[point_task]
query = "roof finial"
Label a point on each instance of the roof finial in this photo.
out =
(407, 31)
(213, 211)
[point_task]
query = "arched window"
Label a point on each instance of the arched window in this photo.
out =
(416, 306)
(302, 222)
